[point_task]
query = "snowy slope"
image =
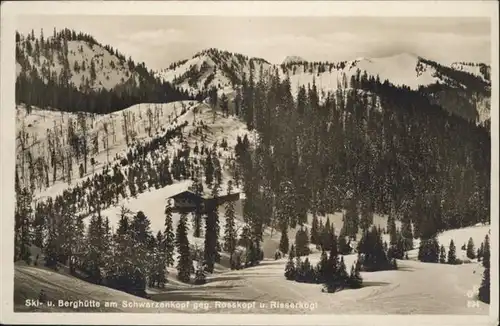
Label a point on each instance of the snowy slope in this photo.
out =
(223, 70)
(477, 69)
(415, 288)
(400, 69)
(110, 70)
(42, 125)
(212, 68)
(30, 280)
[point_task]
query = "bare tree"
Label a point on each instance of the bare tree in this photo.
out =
(22, 137)
(106, 140)
(149, 114)
(82, 121)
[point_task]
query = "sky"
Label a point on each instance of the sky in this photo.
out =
(161, 40)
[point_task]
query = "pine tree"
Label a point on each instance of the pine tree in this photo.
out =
(407, 234)
(351, 219)
(159, 261)
(230, 228)
(169, 237)
(284, 243)
(326, 236)
(209, 170)
(94, 256)
(198, 190)
(301, 243)
(480, 252)
(322, 267)
(355, 279)
(343, 246)
(452, 253)
(372, 250)
(211, 238)
(343, 277)
(392, 230)
(23, 225)
(245, 237)
(142, 236)
(122, 264)
(315, 232)
(184, 263)
(366, 215)
(442, 255)
(484, 289)
(471, 251)
(429, 250)
(290, 270)
(292, 251)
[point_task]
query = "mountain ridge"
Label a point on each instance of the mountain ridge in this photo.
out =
(439, 82)
(88, 67)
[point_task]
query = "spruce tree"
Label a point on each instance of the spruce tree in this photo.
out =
(323, 267)
(230, 229)
(351, 219)
(326, 236)
(245, 235)
(366, 215)
(290, 267)
(301, 243)
(452, 253)
(211, 238)
(284, 243)
(342, 275)
(184, 263)
(315, 233)
(94, 255)
(429, 250)
(484, 289)
(480, 252)
(355, 279)
(292, 251)
(372, 249)
(169, 237)
(23, 225)
(343, 245)
(442, 255)
(159, 272)
(141, 235)
(471, 251)
(407, 234)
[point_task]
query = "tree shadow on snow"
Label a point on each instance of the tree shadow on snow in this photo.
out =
(223, 278)
(181, 296)
(373, 283)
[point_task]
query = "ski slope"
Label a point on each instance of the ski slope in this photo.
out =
(415, 288)
(30, 280)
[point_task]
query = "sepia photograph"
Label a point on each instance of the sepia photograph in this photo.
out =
(195, 160)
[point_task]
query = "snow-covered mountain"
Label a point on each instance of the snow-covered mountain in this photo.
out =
(79, 58)
(213, 68)
(224, 70)
(478, 69)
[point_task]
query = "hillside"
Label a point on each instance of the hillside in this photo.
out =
(224, 70)
(74, 72)
(213, 68)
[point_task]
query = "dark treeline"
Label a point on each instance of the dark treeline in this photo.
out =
(370, 146)
(460, 78)
(42, 85)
